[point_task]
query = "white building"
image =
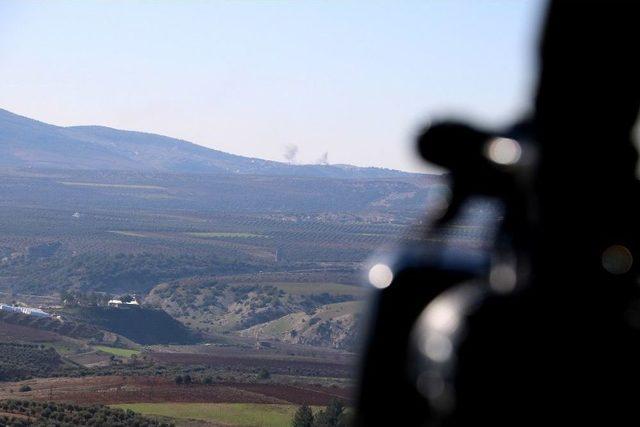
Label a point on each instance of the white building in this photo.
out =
(30, 311)
(116, 303)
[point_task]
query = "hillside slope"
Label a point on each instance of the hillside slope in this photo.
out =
(28, 143)
(319, 314)
(144, 326)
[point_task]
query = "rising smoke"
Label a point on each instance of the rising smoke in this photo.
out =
(290, 153)
(324, 159)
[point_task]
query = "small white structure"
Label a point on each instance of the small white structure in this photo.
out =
(116, 303)
(30, 311)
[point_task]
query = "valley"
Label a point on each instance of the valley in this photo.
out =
(248, 281)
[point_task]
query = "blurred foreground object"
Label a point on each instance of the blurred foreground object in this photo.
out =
(541, 325)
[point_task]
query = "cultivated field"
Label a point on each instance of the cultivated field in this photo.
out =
(228, 414)
(122, 389)
(122, 352)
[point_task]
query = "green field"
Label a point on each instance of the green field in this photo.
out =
(339, 309)
(122, 352)
(232, 414)
(282, 325)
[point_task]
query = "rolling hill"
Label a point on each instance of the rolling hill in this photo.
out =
(223, 244)
(28, 143)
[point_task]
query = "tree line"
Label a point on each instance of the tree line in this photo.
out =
(333, 415)
(25, 413)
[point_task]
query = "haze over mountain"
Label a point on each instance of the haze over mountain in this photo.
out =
(28, 143)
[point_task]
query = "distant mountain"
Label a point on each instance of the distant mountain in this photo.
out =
(28, 143)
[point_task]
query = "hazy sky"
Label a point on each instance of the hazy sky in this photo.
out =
(354, 79)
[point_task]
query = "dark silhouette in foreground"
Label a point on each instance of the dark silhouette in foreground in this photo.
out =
(542, 323)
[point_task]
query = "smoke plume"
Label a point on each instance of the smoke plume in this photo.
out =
(290, 153)
(324, 159)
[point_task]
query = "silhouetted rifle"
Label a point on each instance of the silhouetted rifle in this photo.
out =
(540, 324)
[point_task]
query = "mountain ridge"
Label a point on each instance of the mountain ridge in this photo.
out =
(30, 143)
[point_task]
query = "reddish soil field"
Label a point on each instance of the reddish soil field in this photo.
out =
(10, 332)
(117, 389)
(276, 365)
